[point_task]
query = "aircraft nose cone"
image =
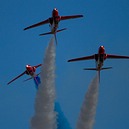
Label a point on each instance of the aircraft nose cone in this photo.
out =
(27, 66)
(54, 9)
(102, 47)
(101, 50)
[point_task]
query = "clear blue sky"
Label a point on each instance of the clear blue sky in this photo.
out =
(105, 22)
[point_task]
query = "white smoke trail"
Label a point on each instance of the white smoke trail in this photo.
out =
(88, 109)
(45, 116)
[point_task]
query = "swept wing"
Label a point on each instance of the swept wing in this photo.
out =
(70, 17)
(37, 65)
(82, 58)
(109, 56)
(17, 77)
(37, 24)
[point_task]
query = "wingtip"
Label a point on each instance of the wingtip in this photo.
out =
(41, 34)
(8, 83)
(29, 27)
(80, 15)
(25, 29)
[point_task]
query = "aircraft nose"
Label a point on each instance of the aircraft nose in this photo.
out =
(101, 46)
(55, 9)
(101, 49)
(27, 66)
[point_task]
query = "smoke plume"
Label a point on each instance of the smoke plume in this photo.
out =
(45, 116)
(88, 109)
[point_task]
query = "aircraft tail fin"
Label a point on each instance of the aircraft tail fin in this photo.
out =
(55, 38)
(98, 70)
(57, 32)
(53, 33)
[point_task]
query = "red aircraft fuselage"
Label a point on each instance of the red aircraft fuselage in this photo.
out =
(55, 13)
(100, 57)
(54, 20)
(30, 70)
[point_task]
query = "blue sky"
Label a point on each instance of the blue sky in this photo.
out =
(105, 22)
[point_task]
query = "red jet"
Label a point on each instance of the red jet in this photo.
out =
(30, 70)
(54, 21)
(99, 58)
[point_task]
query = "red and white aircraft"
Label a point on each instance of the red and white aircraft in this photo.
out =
(30, 70)
(54, 21)
(99, 58)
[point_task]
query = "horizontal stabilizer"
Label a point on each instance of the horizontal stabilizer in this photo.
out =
(45, 33)
(106, 68)
(52, 32)
(28, 79)
(61, 29)
(90, 69)
(97, 69)
(32, 77)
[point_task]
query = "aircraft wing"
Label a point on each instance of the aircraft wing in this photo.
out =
(16, 77)
(37, 24)
(116, 57)
(70, 17)
(37, 65)
(82, 58)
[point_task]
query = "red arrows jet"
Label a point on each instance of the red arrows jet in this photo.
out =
(99, 58)
(30, 70)
(54, 21)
